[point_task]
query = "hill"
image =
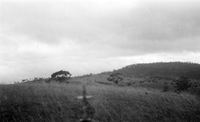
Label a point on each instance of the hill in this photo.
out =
(162, 70)
(140, 101)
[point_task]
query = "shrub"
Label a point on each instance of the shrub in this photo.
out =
(182, 84)
(142, 81)
(165, 88)
(116, 78)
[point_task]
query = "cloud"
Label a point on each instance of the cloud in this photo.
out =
(132, 24)
(40, 37)
(51, 22)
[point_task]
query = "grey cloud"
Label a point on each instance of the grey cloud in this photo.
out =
(51, 23)
(159, 27)
(150, 27)
(162, 21)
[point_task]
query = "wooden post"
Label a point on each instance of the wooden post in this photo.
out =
(88, 110)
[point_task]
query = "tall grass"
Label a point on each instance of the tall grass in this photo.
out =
(58, 103)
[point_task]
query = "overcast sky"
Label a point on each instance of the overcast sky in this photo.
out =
(39, 37)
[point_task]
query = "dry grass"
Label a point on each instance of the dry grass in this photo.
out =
(58, 103)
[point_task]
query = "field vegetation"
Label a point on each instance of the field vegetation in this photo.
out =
(157, 92)
(57, 102)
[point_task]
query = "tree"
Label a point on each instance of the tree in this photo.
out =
(61, 75)
(116, 78)
(182, 84)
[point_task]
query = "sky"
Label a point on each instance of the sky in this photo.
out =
(40, 37)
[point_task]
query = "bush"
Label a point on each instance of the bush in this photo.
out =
(165, 88)
(116, 78)
(182, 84)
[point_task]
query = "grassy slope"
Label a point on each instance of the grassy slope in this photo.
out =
(162, 70)
(58, 103)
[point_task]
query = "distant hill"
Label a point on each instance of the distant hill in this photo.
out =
(166, 70)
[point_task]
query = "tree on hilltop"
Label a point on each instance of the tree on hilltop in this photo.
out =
(61, 75)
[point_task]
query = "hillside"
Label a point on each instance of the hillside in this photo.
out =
(166, 70)
(135, 99)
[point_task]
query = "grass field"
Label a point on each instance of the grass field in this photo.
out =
(57, 103)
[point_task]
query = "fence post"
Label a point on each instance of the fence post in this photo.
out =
(88, 110)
